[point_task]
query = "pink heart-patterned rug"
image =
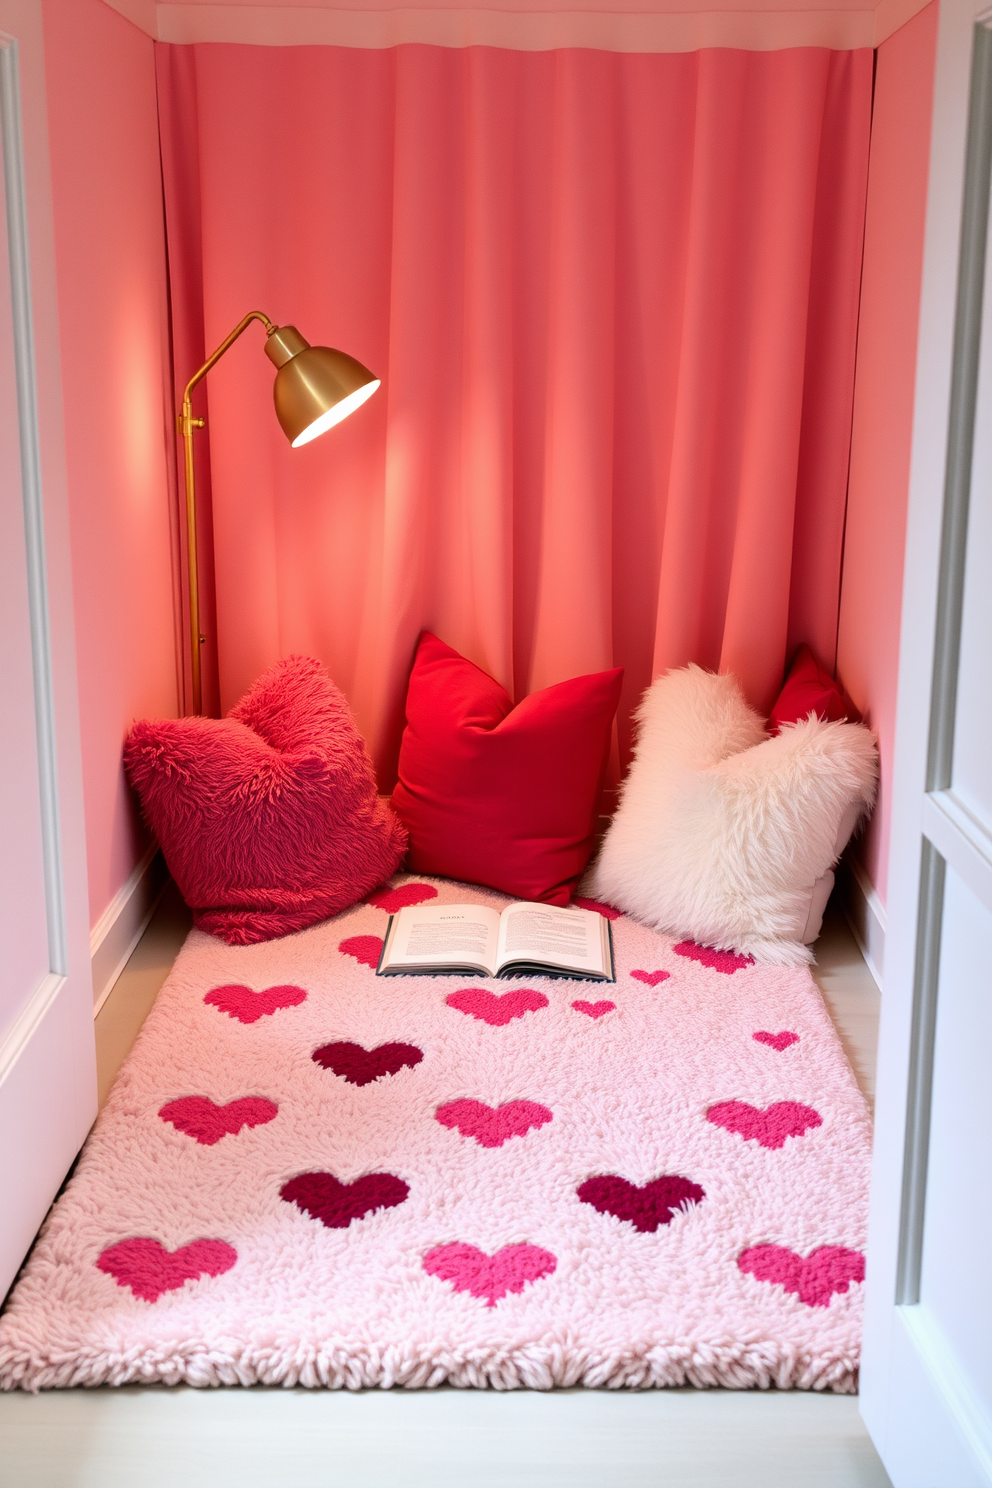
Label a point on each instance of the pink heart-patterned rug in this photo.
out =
(308, 1175)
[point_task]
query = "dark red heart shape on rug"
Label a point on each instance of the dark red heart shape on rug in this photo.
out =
(338, 1204)
(777, 1041)
(392, 900)
(814, 1279)
(725, 961)
(491, 1126)
(366, 949)
(594, 1009)
(651, 977)
(606, 910)
(200, 1118)
(144, 1264)
(771, 1127)
(248, 1006)
(646, 1206)
(490, 1276)
(360, 1066)
(494, 1008)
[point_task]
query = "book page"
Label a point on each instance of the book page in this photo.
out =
(570, 938)
(443, 935)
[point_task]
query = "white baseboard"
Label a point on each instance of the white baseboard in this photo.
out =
(865, 914)
(123, 922)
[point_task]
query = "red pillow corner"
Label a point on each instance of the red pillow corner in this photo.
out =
(809, 688)
(269, 819)
(500, 795)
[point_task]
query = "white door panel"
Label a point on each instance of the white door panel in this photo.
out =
(956, 1265)
(925, 1443)
(23, 902)
(927, 1372)
(47, 1063)
(971, 769)
(926, 1431)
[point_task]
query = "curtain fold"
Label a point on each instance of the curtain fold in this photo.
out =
(613, 301)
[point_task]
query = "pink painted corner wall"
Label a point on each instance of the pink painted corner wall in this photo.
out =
(113, 328)
(871, 589)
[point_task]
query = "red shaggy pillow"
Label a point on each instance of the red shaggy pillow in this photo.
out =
(809, 688)
(496, 794)
(269, 818)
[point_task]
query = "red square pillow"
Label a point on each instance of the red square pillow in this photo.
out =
(269, 818)
(496, 794)
(809, 688)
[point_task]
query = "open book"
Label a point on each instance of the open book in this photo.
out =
(525, 940)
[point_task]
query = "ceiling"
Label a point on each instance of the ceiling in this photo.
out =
(612, 25)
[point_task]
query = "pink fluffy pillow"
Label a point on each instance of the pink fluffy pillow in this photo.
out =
(269, 818)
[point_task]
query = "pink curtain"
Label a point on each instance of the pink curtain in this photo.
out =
(613, 301)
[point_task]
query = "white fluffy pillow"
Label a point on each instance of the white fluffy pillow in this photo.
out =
(724, 834)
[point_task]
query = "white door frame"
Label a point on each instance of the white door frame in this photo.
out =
(47, 1059)
(924, 1418)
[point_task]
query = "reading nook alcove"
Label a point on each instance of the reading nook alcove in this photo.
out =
(483, 811)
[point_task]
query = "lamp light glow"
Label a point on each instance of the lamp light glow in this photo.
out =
(336, 414)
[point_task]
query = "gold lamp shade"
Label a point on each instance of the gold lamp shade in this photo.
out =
(316, 387)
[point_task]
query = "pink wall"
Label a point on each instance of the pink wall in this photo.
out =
(110, 262)
(871, 590)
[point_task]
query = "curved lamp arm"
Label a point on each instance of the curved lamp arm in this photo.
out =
(228, 341)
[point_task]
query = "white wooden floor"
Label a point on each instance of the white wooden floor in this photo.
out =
(182, 1438)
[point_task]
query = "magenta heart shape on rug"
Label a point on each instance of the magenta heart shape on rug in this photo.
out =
(200, 1118)
(496, 1009)
(149, 1269)
(248, 1006)
(490, 1276)
(651, 977)
(491, 1126)
(606, 910)
(338, 1204)
(647, 1206)
(360, 1066)
(725, 961)
(814, 1279)
(594, 1009)
(777, 1041)
(366, 949)
(771, 1126)
(392, 900)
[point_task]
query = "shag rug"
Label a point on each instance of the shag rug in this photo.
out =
(308, 1175)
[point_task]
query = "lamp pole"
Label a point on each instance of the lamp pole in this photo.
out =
(187, 427)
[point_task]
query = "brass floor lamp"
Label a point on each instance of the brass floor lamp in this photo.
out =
(315, 388)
